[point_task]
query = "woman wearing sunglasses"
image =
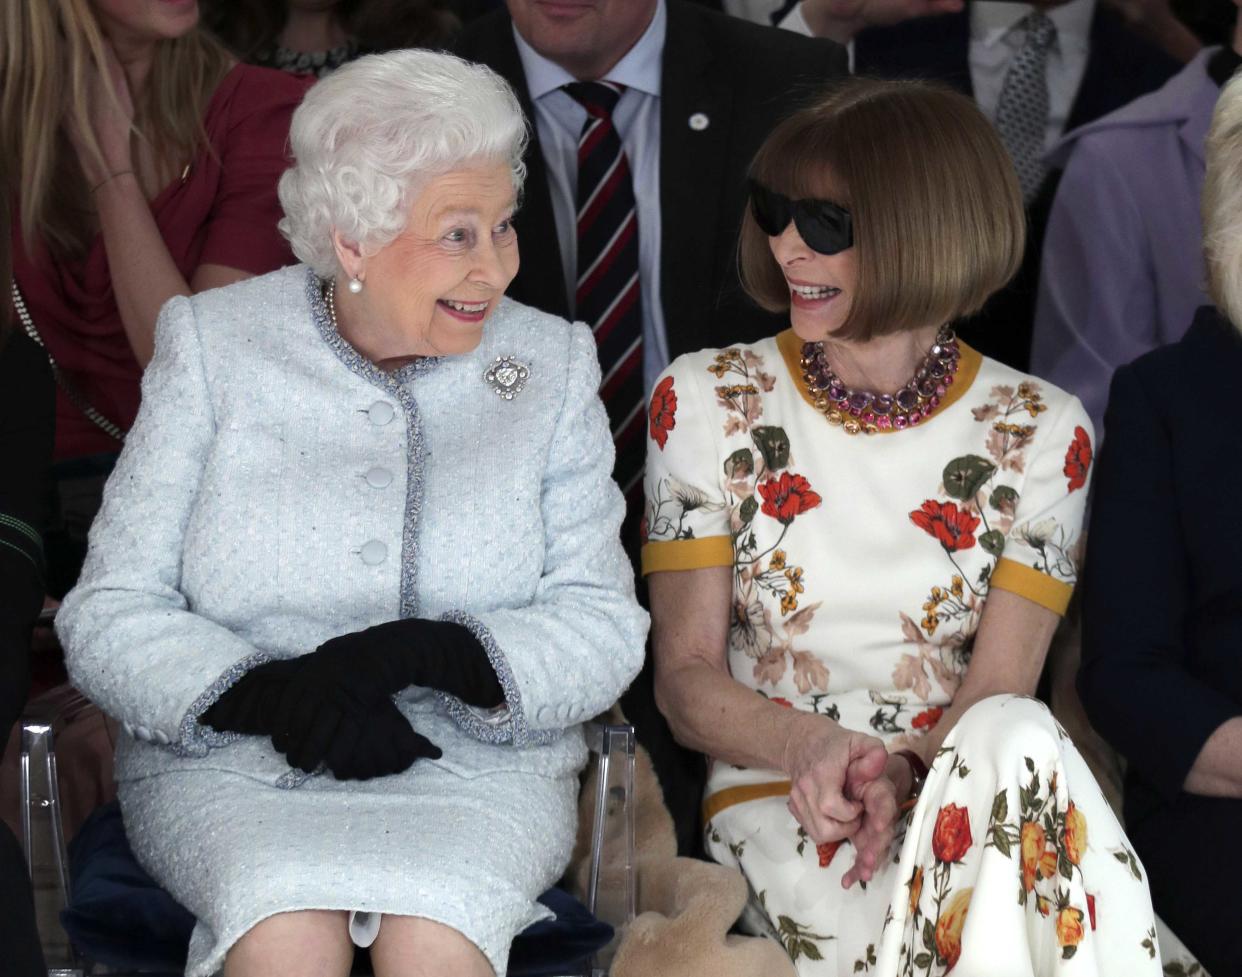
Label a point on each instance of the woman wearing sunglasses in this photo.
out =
(859, 538)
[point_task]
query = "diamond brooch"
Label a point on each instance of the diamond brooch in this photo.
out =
(507, 377)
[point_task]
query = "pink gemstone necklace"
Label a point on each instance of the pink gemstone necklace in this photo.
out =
(863, 412)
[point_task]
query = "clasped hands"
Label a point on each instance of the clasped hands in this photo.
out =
(334, 707)
(846, 785)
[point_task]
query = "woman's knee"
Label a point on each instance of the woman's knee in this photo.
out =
(1009, 726)
(305, 943)
(411, 946)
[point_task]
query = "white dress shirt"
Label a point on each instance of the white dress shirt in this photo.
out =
(559, 121)
(995, 38)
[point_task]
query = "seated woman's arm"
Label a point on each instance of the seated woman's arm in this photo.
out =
(1180, 732)
(1034, 577)
(570, 653)
(131, 642)
(709, 711)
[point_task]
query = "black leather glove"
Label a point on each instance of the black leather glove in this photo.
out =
(355, 744)
(250, 704)
(366, 666)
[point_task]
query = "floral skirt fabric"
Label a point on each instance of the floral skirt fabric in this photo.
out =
(1010, 863)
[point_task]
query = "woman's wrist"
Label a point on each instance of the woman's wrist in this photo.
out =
(801, 729)
(111, 177)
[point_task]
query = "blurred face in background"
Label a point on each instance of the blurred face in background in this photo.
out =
(144, 21)
(585, 37)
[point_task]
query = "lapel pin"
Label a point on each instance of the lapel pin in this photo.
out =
(699, 121)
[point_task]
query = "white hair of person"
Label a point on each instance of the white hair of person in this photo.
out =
(1222, 203)
(367, 137)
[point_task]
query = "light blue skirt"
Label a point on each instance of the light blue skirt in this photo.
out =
(472, 853)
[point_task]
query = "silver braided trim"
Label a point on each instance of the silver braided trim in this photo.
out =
(515, 729)
(76, 397)
(196, 739)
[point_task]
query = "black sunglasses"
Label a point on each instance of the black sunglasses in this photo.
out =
(824, 226)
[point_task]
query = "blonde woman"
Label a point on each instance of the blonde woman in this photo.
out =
(147, 162)
(861, 535)
(1162, 614)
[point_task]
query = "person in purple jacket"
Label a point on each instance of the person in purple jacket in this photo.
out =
(1122, 269)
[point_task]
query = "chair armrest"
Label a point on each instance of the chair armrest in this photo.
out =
(611, 889)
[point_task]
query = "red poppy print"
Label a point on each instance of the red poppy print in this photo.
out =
(783, 703)
(927, 719)
(663, 413)
(952, 527)
(1078, 459)
(788, 496)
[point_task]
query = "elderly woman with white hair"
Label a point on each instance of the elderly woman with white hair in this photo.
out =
(1162, 616)
(357, 580)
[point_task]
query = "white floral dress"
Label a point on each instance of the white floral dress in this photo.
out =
(861, 566)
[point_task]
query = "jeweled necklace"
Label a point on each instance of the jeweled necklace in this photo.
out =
(864, 412)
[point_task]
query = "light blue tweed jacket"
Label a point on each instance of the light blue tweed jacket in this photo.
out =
(277, 489)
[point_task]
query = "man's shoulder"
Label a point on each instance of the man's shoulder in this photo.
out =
(757, 50)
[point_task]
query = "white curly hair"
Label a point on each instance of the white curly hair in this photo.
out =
(1222, 203)
(370, 134)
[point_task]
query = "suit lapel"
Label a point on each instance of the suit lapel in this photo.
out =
(696, 107)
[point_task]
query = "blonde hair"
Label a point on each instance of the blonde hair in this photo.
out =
(47, 48)
(938, 218)
(1222, 203)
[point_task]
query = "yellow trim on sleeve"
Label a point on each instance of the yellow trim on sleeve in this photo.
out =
(1030, 583)
(724, 799)
(687, 554)
(967, 369)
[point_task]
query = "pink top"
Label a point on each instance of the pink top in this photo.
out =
(222, 211)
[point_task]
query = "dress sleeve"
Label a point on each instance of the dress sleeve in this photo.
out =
(1139, 595)
(1043, 549)
(686, 520)
(570, 653)
(132, 643)
(241, 230)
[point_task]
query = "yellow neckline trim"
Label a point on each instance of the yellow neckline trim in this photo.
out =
(967, 369)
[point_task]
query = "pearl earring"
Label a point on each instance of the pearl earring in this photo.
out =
(355, 285)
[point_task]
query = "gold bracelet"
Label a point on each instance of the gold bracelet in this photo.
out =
(109, 178)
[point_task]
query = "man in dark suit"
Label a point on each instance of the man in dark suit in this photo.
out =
(723, 85)
(655, 108)
(1095, 64)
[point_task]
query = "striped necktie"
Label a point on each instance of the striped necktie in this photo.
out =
(607, 290)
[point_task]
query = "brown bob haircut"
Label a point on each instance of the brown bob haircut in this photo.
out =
(937, 213)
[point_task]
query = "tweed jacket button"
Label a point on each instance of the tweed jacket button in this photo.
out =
(381, 412)
(128, 727)
(161, 737)
(373, 552)
(542, 713)
(379, 477)
(143, 733)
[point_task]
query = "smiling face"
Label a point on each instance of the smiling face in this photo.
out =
(145, 21)
(821, 286)
(433, 287)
